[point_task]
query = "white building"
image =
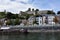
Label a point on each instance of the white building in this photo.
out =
(39, 20)
(50, 19)
(42, 20)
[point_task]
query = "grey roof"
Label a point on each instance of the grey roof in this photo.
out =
(42, 12)
(30, 12)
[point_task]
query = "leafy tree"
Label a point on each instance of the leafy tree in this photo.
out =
(8, 22)
(17, 22)
(50, 12)
(9, 15)
(58, 12)
(1, 23)
(37, 10)
(32, 9)
(2, 14)
(14, 16)
(21, 17)
(29, 9)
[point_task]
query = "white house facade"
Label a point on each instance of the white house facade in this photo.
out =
(39, 20)
(42, 20)
(50, 19)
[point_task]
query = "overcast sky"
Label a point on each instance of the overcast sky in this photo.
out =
(21, 5)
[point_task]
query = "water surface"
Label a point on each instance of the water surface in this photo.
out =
(32, 36)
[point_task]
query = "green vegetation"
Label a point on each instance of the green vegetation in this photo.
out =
(10, 15)
(1, 23)
(29, 9)
(50, 12)
(2, 14)
(17, 22)
(8, 22)
(58, 12)
(13, 22)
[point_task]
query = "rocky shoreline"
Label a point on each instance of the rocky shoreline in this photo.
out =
(27, 32)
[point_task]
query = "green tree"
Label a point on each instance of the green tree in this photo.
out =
(58, 12)
(14, 16)
(1, 23)
(9, 15)
(8, 22)
(33, 10)
(50, 12)
(2, 14)
(37, 10)
(17, 22)
(29, 9)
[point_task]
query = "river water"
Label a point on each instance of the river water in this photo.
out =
(32, 36)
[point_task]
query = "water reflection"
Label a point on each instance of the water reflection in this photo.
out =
(32, 36)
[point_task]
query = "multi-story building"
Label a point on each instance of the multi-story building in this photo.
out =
(44, 16)
(50, 19)
(46, 19)
(39, 20)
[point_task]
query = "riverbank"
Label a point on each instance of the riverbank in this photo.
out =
(37, 28)
(44, 30)
(18, 32)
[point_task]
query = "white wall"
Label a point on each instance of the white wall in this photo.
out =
(39, 20)
(50, 19)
